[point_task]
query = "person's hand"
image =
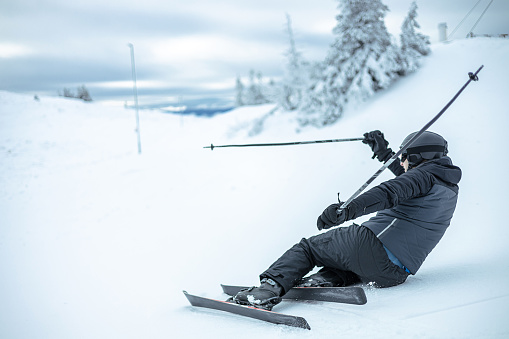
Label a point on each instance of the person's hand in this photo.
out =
(330, 217)
(378, 144)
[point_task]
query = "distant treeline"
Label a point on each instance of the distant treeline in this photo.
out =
(81, 93)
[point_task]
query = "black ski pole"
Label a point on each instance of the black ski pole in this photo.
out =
(472, 77)
(287, 143)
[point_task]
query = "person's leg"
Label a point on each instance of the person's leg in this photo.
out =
(371, 262)
(321, 250)
(330, 249)
(352, 249)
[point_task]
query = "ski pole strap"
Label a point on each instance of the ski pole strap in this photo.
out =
(472, 77)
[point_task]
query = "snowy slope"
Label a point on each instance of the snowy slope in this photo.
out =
(97, 241)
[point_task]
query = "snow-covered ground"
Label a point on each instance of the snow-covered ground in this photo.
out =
(97, 241)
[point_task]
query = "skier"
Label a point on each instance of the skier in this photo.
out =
(413, 212)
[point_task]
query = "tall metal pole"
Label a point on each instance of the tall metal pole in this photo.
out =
(135, 92)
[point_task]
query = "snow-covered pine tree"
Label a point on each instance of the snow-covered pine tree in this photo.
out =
(83, 94)
(257, 91)
(293, 82)
(360, 62)
(271, 91)
(239, 92)
(254, 93)
(413, 45)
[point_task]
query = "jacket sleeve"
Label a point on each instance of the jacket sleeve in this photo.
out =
(395, 166)
(391, 193)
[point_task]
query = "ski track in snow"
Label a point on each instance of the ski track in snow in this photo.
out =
(456, 306)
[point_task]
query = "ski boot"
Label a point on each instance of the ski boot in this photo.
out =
(314, 280)
(265, 297)
(328, 278)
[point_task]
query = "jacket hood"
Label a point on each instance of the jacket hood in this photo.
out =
(443, 169)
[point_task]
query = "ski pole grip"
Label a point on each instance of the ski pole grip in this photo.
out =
(342, 207)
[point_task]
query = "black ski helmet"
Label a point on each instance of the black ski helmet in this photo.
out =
(427, 146)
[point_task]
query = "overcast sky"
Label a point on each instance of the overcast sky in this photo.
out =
(185, 48)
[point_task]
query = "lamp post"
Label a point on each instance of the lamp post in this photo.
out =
(135, 93)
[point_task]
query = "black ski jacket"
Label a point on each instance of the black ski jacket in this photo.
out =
(414, 209)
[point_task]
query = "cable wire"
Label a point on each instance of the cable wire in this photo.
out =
(471, 31)
(461, 22)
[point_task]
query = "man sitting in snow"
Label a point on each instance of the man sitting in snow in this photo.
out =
(413, 211)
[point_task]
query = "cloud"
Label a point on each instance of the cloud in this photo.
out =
(212, 48)
(13, 50)
(180, 45)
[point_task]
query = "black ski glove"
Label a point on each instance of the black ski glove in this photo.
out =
(378, 144)
(330, 217)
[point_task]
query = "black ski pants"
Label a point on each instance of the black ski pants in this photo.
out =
(352, 249)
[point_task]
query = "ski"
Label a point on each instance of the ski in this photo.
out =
(347, 295)
(247, 311)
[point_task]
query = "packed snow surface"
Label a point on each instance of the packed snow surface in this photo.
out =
(97, 241)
